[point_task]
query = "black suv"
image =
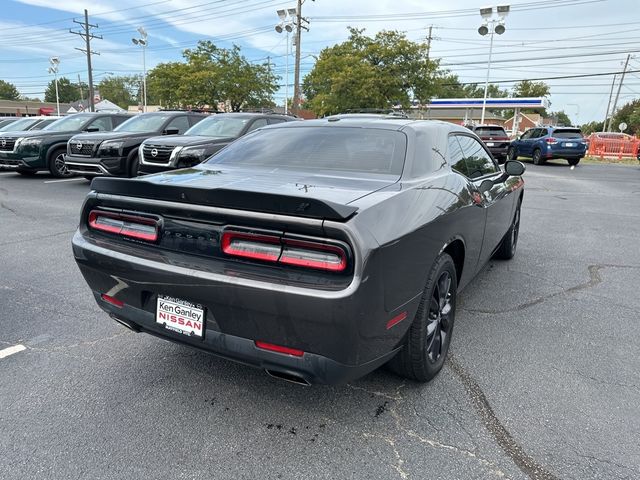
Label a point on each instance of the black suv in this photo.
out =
(201, 141)
(28, 152)
(116, 153)
(495, 138)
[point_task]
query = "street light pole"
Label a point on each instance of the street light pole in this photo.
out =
(286, 25)
(493, 26)
(55, 61)
(143, 42)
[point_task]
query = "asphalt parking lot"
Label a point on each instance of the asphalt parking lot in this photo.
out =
(543, 381)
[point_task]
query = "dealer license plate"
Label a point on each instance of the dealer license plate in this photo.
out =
(570, 144)
(180, 316)
(490, 144)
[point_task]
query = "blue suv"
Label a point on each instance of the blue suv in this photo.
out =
(544, 143)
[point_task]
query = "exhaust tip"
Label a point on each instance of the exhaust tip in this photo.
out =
(126, 324)
(288, 377)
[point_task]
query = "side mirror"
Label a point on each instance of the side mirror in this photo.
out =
(92, 129)
(171, 131)
(514, 168)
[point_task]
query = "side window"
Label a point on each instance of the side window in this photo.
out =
(538, 132)
(273, 121)
(526, 135)
(118, 120)
(181, 123)
(456, 158)
(259, 123)
(479, 162)
(193, 119)
(103, 124)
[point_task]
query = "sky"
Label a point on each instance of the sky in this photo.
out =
(543, 38)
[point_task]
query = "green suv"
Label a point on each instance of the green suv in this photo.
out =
(28, 152)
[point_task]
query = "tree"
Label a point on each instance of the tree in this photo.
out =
(210, 75)
(370, 72)
(8, 91)
(560, 118)
(121, 90)
(528, 88)
(589, 128)
(67, 91)
(629, 113)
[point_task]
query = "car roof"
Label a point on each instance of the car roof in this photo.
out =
(253, 114)
(379, 122)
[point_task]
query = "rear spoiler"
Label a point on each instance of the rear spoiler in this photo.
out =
(226, 198)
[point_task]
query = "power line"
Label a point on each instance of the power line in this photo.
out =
(87, 36)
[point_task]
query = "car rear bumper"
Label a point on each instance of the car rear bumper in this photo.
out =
(342, 333)
(499, 152)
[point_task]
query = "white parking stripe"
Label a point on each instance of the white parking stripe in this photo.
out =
(7, 173)
(64, 180)
(11, 350)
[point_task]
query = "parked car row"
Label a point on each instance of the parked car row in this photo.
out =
(539, 143)
(121, 145)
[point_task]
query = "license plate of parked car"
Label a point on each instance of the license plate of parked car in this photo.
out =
(180, 316)
(569, 144)
(489, 144)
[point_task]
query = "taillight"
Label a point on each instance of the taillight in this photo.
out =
(552, 141)
(271, 248)
(112, 301)
(279, 349)
(130, 226)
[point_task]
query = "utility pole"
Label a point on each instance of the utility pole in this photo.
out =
(429, 38)
(296, 84)
(615, 102)
(87, 36)
(606, 116)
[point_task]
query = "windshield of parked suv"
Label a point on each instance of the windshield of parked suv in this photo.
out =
(319, 148)
(22, 124)
(490, 132)
(218, 126)
(68, 124)
(143, 123)
(567, 133)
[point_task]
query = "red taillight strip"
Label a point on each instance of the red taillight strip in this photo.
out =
(312, 263)
(123, 230)
(279, 349)
(112, 301)
(396, 320)
(228, 248)
(286, 248)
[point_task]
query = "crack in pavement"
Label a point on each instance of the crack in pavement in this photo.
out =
(37, 238)
(594, 279)
(527, 464)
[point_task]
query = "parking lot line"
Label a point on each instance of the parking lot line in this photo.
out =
(11, 350)
(64, 180)
(6, 173)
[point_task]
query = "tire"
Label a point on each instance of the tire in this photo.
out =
(133, 167)
(56, 164)
(512, 154)
(27, 173)
(573, 161)
(89, 177)
(537, 157)
(429, 336)
(507, 249)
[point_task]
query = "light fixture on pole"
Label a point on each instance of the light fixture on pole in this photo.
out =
(490, 26)
(142, 41)
(286, 25)
(54, 62)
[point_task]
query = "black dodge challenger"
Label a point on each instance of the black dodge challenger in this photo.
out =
(317, 250)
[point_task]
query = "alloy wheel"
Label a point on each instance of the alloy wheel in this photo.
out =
(439, 325)
(60, 166)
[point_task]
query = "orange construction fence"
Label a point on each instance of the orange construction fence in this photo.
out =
(614, 147)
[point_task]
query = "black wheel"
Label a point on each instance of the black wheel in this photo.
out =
(27, 173)
(57, 166)
(509, 243)
(573, 161)
(133, 168)
(512, 154)
(429, 336)
(537, 157)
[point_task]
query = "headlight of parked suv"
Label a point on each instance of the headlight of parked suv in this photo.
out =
(28, 143)
(192, 154)
(111, 148)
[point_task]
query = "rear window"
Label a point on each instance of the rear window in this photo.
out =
(366, 150)
(490, 132)
(567, 133)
